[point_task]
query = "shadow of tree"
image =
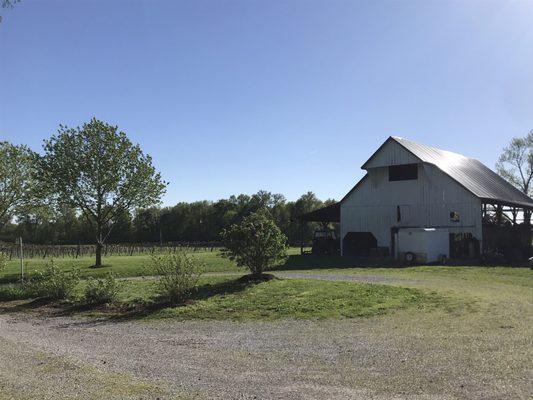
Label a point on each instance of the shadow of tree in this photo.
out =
(310, 261)
(14, 306)
(143, 309)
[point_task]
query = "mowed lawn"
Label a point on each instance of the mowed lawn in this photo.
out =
(120, 266)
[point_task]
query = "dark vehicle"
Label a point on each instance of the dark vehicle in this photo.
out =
(325, 242)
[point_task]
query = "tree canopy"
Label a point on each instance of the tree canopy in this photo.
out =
(256, 243)
(17, 179)
(97, 170)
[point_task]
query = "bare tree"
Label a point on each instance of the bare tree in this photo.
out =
(516, 165)
(8, 4)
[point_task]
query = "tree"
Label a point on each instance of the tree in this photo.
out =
(516, 165)
(17, 179)
(256, 243)
(8, 4)
(96, 169)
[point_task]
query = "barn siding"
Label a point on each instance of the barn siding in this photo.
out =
(391, 153)
(426, 202)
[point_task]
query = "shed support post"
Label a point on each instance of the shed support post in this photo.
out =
(301, 237)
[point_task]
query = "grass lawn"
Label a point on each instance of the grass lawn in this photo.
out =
(224, 298)
(120, 266)
(220, 298)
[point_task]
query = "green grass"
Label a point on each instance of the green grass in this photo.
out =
(444, 287)
(222, 298)
(298, 299)
(120, 266)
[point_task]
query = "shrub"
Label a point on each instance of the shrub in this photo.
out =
(179, 273)
(102, 290)
(3, 261)
(53, 282)
(15, 291)
(256, 243)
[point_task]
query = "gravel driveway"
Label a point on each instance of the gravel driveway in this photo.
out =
(405, 355)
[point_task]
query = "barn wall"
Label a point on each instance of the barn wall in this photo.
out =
(391, 153)
(426, 202)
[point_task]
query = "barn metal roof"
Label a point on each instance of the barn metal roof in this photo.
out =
(475, 177)
(468, 172)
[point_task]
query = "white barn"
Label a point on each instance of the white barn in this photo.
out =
(411, 185)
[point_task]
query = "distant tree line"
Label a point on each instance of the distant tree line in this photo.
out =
(199, 221)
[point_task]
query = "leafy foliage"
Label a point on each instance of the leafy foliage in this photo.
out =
(102, 290)
(256, 243)
(17, 179)
(3, 261)
(178, 275)
(8, 4)
(53, 282)
(96, 169)
(516, 163)
(199, 221)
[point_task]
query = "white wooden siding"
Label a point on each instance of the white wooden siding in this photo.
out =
(425, 202)
(391, 153)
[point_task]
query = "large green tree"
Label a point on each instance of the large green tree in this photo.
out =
(99, 171)
(17, 179)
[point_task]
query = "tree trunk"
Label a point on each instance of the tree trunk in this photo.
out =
(98, 262)
(99, 245)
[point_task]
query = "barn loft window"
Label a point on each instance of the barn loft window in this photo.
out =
(404, 172)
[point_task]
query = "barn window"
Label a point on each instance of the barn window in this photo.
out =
(404, 172)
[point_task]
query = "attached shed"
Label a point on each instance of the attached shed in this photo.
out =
(412, 185)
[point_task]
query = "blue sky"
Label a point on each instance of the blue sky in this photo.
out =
(288, 96)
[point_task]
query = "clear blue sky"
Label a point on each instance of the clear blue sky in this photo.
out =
(235, 96)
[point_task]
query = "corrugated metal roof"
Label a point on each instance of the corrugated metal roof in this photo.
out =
(468, 172)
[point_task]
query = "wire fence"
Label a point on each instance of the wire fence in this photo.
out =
(12, 250)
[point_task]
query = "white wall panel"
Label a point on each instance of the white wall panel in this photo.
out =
(425, 202)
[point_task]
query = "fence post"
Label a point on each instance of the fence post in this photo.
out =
(21, 260)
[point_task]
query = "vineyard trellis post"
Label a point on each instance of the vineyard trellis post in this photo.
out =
(21, 260)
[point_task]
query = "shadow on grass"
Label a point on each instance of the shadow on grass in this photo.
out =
(124, 311)
(309, 261)
(204, 292)
(10, 278)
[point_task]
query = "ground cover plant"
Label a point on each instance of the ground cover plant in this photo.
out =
(178, 275)
(101, 290)
(53, 282)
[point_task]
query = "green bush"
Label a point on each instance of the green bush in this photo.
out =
(256, 243)
(53, 282)
(178, 275)
(102, 290)
(3, 261)
(15, 291)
